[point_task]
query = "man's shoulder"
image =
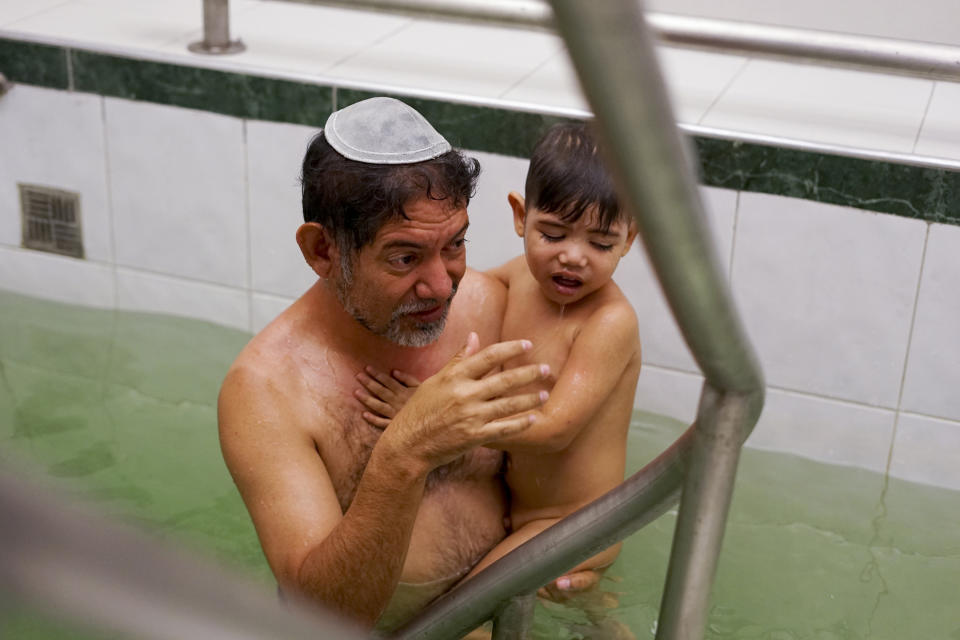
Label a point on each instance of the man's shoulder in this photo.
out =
(485, 293)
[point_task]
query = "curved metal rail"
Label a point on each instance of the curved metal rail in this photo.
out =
(613, 53)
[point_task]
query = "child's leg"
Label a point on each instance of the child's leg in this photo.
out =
(598, 562)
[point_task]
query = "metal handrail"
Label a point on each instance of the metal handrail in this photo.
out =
(65, 561)
(613, 54)
(886, 55)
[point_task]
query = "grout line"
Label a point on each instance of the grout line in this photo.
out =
(69, 55)
(913, 321)
(36, 14)
(527, 75)
(246, 202)
(111, 217)
(724, 90)
(733, 240)
(923, 120)
(350, 56)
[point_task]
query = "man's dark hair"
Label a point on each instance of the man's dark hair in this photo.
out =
(355, 199)
(567, 176)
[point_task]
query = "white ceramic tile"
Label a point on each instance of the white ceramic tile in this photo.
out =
(824, 430)
(55, 139)
(836, 106)
(13, 10)
(139, 291)
(453, 57)
(44, 275)
(295, 37)
(123, 23)
(264, 308)
(933, 377)
(925, 451)
(940, 135)
(553, 84)
(827, 294)
(661, 339)
(668, 393)
(491, 239)
(931, 21)
(179, 191)
(696, 79)
(274, 157)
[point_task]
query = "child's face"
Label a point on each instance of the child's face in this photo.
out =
(571, 260)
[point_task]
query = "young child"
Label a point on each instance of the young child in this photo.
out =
(560, 295)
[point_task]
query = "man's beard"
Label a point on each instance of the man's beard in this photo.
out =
(420, 335)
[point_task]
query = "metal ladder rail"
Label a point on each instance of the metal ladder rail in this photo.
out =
(613, 53)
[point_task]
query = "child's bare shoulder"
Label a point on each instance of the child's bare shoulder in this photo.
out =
(613, 317)
(509, 270)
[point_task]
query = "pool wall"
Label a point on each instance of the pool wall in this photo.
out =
(845, 269)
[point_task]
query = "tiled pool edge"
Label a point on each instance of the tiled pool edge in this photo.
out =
(931, 194)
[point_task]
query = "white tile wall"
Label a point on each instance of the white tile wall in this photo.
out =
(925, 450)
(668, 392)
(13, 10)
(54, 277)
(55, 139)
(294, 37)
(264, 308)
(491, 239)
(827, 294)
(661, 339)
(125, 23)
(696, 79)
(140, 291)
(940, 136)
(274, 155)
(932, 384)
(825, 430)
(442, 56)
(554, 83)
(835, 106)
(179, 191)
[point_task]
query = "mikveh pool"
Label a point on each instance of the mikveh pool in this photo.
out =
(119, 409)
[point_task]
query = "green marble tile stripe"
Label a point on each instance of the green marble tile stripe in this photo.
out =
(232, 94)
(915, 192)
(35, 64)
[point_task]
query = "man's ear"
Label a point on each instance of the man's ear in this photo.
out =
(519, 211)
(318, 248)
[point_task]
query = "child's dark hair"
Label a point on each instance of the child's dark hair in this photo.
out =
(355, 199)
(567, 176)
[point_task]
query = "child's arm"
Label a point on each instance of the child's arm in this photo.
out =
(384, 395)
(598, 359)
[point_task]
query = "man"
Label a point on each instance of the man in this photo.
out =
(345, 512)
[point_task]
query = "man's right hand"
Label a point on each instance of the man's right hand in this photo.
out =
(463, 405)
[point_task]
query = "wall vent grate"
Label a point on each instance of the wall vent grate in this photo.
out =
(51, 220)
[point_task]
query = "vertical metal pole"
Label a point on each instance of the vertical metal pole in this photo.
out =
(723, 421)
(216, 30)
(513, 621)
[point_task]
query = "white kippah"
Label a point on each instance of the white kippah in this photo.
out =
(383, 131)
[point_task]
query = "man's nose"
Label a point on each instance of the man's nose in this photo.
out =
(435, 281)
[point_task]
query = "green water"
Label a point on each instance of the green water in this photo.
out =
(119, 409)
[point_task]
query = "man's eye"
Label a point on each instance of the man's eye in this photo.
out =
(458, 244)
(403, 261)
(550, 238)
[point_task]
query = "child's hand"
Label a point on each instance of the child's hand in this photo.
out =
(384, 395)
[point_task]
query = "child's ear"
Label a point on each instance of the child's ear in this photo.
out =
(631, 235)
(318, 248)
(519, 211)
